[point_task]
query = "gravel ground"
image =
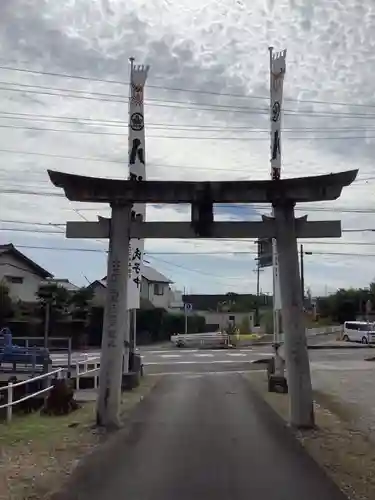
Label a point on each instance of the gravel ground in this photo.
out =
(355, 388)
(346, 454)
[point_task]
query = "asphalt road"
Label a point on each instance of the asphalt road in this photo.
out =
(187, 361)
(205, 438)
(170, 360)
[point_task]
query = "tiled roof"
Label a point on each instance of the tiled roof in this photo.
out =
(11, 249)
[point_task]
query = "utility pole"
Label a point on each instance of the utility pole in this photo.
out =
(302, 276)
(186, 319)
(258, 271)
(257, 306)
(47, 321)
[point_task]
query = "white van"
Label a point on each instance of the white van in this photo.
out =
(359, 331)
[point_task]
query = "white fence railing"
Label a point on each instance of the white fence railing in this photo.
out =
(10, 388)
(325, 330)
(86, 371)
(223, 338)
(200, 338)
(82, 369)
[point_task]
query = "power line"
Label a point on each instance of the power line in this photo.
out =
(181, 89)
(116, 98)
(181, 137)
(167, 126)
(150, 254)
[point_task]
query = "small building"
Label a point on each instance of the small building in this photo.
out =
(224, 311)
(155, 289)
(20, 274)
(225, 320)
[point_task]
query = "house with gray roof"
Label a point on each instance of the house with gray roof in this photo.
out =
(155, 289)
(21, 275)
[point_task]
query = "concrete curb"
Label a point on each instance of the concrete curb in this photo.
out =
(359, 346)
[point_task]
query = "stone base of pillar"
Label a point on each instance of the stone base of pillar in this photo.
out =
(130, 381)
(277, 383)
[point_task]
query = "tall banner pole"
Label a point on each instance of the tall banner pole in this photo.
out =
(277, 73)
(137, 173)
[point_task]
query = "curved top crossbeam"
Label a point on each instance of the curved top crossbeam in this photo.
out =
(295, 190)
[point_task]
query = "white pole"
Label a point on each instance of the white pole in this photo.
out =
(134, 330)
(46, 323)
(277, 72)
(137, 173)
(10, 402)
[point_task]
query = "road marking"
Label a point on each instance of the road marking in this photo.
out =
(193, 362)
(236, 354)
(200, 374)
(143, 353)
(201, 355)
(171, 355)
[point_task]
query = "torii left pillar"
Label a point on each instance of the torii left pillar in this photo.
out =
(115, 338)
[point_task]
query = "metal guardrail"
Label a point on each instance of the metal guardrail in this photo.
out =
(10, 387)
(55, 345)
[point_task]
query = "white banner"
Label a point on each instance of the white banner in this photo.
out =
(277, 72)
(137, 172)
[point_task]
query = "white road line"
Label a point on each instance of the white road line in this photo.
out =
(171, 355)
(143, 353)
(200, 374)
(201, 355)
(236, 354)
(224, 361)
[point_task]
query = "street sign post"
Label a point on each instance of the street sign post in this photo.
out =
(187, 308)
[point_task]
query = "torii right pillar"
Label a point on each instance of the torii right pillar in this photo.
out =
(295, 348)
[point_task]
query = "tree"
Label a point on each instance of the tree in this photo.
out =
(56, 296)
(345, 304)
(80, 302)
(245, 325)
(6, 304)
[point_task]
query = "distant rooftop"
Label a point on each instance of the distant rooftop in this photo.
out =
(149, 273)
(12, 250)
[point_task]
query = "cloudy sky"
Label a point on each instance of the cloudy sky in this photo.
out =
(63, 105)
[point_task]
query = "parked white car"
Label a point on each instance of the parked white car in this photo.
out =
(359, 331)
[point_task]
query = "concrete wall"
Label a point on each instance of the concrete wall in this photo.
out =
(12, 268)
(158, 294)
(224, 318)
(176, 303)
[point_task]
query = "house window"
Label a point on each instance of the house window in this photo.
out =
(14, 279)
(158, 289)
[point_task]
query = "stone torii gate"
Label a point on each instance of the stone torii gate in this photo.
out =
(282, 194)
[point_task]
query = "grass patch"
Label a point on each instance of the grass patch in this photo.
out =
(37, 453)
(346, 454)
